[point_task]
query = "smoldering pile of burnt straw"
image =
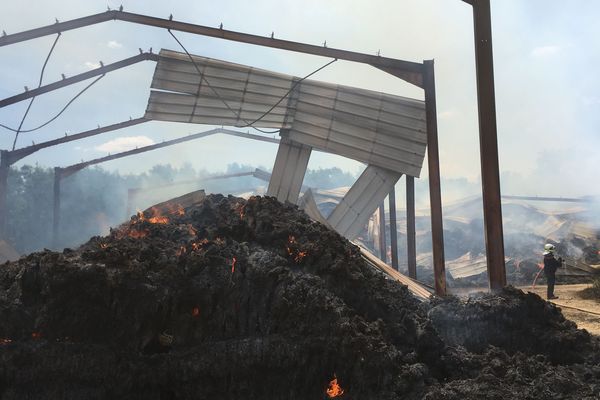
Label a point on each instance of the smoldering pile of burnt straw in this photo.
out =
(224, 298)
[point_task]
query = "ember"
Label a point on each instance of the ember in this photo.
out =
(233, 261)
(182, 250)
(36, 335)
(334, 389)
(137, 234)
(4, 341)
(292, 250)
(197, 245)
(196, 312)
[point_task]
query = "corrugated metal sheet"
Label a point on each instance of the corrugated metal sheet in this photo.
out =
(309, 205)
(361, 201)
(288, 171)
(376, 128)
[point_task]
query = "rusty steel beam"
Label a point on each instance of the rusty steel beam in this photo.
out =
(433, 163)
(78, 78)
(393, 227)
(488, 142)
(411, 236)
(56, 208)
(4, 170)
(406, 70)
(71, 169)
(15, 155)
(382, 238)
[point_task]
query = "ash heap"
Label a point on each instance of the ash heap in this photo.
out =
(222, 298)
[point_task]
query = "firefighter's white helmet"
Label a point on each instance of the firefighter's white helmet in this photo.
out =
(549, 248)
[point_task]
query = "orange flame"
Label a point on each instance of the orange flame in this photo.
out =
(233, 261)
(4, 341)
(334, 389)
(196, 312)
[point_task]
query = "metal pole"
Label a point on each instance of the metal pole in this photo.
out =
(4, 169)
(382, 241)
(131, 193)
(56, 211)
(393, 228)
(411, 247)
(488, 142)
(433, 163)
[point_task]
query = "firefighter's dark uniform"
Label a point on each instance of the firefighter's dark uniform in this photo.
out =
(550, 266)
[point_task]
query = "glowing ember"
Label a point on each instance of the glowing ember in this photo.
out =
(196, 312)
(36, 335)
(137, 234)
(182, 250)
(334, 389)
(300, 256)
(233, 261)
(297, 255)
(191, 230)
(4, 341)
(198, 245)
(103, 245)
(159, 219)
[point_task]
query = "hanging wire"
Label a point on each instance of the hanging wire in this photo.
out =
(248, 123)
(59, 113)
(39, 85)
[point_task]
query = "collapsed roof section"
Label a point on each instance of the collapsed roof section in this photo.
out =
(376, 128)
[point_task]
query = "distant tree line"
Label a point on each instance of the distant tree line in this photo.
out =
(95, 199)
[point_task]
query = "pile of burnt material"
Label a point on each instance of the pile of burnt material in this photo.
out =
(224, 298)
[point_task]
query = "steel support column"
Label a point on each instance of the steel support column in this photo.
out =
(131, 197)
(433, 163)
(56, 209)
(4, 169)
(393, 227)
(382, 239)
(488, 142)
(411, 243)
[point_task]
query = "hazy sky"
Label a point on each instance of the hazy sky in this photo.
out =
(547, 82)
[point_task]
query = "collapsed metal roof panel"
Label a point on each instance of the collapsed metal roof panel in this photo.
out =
(354, 210)
(288, 172)
(376, 128)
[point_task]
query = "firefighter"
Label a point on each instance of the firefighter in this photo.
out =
(550, 266)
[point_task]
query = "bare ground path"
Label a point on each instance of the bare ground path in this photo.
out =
(585, 313)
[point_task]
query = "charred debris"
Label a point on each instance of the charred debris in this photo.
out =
(224, 298)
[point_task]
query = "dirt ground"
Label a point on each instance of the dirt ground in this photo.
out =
(585, 313)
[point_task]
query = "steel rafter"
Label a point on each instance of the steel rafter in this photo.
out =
(78, 78)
